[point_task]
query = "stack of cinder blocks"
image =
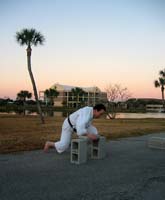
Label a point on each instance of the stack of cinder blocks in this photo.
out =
(82, 148)
(98, 148)
(78, 151)
(156, 142)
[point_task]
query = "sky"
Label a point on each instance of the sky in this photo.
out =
(87, 43)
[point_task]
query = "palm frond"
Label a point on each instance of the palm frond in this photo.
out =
(29, 37)
(162, 73)
(156, 83)
(161, 81)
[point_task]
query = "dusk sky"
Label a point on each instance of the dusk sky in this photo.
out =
(88, 43)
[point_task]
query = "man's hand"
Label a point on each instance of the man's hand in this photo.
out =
(92, 136)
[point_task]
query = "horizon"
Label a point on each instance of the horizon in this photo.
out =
(88, 43)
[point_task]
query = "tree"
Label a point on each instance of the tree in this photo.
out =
(50, 95)
(115, 94)
(22, 96)
(30, 37)
(161, 83)
(76, 94)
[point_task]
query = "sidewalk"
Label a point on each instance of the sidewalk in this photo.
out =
(130, 171)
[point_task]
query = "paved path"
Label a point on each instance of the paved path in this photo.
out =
(131, 171)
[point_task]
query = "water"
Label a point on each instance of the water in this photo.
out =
(140, 115)
(118, 115)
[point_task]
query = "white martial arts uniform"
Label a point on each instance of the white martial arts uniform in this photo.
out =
(81, 120)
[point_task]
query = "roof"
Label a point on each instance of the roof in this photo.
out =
(68, 88)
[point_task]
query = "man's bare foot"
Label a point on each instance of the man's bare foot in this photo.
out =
(46, 147)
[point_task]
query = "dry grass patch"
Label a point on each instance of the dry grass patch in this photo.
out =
(130, 127)
(27, 133)
(18, 133)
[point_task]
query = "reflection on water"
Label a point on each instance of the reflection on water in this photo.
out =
(45, 113)
(118, 115)
(140, 115)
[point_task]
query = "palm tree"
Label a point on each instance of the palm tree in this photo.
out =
(51, 94)
(31, 37)
(77, 93)
(22, 95)
(161, 83)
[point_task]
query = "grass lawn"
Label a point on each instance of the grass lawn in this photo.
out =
(19, 133)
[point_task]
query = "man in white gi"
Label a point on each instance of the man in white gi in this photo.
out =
(79, 122)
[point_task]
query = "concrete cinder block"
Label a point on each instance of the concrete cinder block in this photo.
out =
(78, 151)
(156, 142)
(89, 143)
(98, 148)
(84, 137)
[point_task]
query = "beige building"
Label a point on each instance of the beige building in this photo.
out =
(154, 107)
(66, 97)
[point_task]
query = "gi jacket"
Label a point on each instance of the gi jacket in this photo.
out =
(82, 119)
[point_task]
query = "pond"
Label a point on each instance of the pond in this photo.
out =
(118, 115)
(140, 115)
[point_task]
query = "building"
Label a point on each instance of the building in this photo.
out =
(66, 97)
(154, 108)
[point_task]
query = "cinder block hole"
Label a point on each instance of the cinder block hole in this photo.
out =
(95, 153)
(75, 145)
(74, 157)
(95, 143)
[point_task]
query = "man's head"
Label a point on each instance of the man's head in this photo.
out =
(98, 110)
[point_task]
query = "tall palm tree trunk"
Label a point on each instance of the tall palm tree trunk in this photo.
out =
(33, 84)
(162, 89)
(24, 99)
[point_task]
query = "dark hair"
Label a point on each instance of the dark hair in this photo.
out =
(99, 107)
